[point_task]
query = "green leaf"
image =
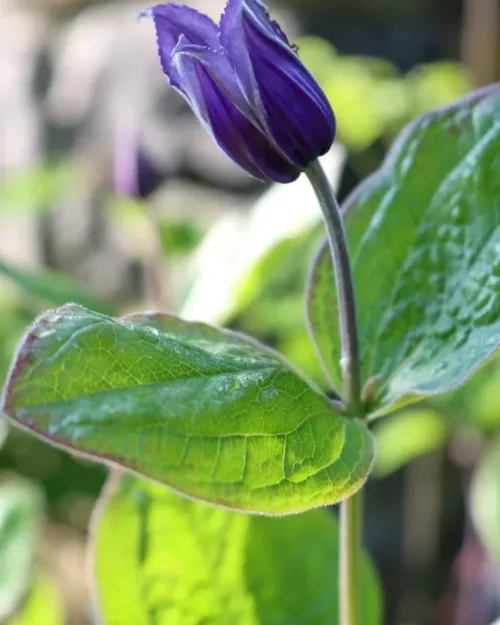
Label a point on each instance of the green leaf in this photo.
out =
(42, 606)
(474, 405)
(36, 188)
(407, 436)
(273, 301)
(4, 430)
(480, 404)
(179, 236)
(159, 557)
(485, 499)
(52, 286)
(424, 235)
(20, 517)
(209, 412)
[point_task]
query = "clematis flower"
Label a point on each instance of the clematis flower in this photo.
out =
(247, 85)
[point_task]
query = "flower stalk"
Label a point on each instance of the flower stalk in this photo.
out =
(351, 508)
(350, 362)
(351, 521)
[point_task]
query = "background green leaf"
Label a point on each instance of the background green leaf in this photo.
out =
(407, 435)
(34, 189)
(20, 517)
(42, 606)
(53, 287)
(424, 235)
(485, 499)
(161, 557)
(211, 413)
(233, 260)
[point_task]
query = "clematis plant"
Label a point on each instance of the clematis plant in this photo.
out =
(410, 311)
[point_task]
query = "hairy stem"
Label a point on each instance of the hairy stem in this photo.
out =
(351, 368)
(350, 509)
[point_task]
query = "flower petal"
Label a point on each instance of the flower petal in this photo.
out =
(232, 24)
(220, 69)
(232, 39)
(290, 106)
(173, 20)
(257, 12)
(299, 117)
(234, 133)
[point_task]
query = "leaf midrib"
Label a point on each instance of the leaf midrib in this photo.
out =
(146, 385)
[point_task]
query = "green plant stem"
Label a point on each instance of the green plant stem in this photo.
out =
(351, 508)
(351, 516)
(351, 369)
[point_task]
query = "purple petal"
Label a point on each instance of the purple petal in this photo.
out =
(233, 19)
(240, 138)
(233, 41)
(220, 69)
(299, 117)
(291, 108)
(173, 20)
(233, 38)
(257, 13)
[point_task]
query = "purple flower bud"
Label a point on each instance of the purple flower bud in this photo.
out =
(134, 174)
(247, 86)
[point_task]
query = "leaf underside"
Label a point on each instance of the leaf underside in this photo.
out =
(186, 563)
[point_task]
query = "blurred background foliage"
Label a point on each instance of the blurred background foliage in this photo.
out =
(112, 197)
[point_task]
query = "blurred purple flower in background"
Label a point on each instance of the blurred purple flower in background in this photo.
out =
(134, 174)
(247, 85)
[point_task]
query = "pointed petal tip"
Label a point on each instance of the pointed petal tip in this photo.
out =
(145, 13)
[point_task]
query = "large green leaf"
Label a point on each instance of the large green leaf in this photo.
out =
(424, 235)
(209, 412)
(165, 559)
(20, 516)
(485, 499)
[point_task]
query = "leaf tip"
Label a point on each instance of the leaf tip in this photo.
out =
(24, 354)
